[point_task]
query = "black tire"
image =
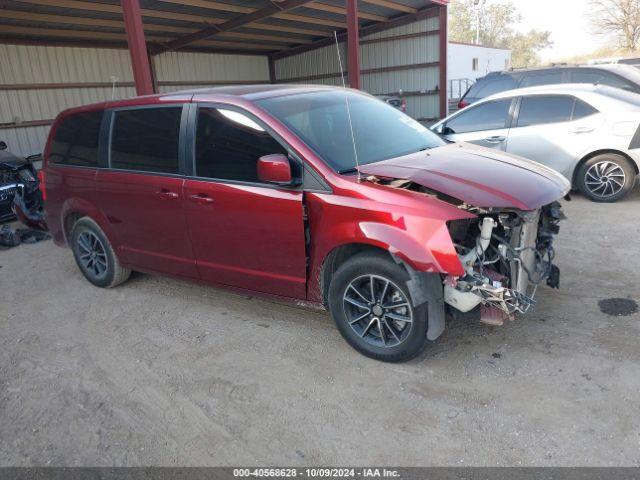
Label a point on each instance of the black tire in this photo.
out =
(606, 178)
(407, 344)
(88, 239)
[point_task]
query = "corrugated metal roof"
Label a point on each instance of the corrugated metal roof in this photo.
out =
(99, 23)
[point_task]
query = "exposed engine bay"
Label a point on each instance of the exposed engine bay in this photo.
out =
(20, 194)
(506, 254)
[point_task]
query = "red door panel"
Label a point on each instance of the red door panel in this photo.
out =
(145, 212)
(247, 236)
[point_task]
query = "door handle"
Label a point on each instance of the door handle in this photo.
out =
(581, 130)
(201, 199)
(495, 139)
(167, 194)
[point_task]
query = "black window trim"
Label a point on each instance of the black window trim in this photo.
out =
(190, 151)
(181, 138)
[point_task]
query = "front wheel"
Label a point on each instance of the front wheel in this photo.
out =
(606, 178)
(372, 308)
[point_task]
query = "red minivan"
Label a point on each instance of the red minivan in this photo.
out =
(319, 195)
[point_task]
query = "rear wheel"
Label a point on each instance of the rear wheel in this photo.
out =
(95, 256)
(606, 178)
(371, 306)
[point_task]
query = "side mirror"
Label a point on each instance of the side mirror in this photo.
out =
(274, 168)
(3, 145)
(447, 130)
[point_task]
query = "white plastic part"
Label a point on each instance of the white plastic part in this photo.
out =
(486, 228)
(463, 301)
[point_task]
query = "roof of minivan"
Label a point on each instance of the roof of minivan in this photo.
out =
(248, 92)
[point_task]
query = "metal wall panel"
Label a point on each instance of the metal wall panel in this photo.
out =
(213, 67)
(35, 64)
(315, 62)
(380, 55)
(29, 65)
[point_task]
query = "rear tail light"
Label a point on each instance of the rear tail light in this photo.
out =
(462, 104)
(42, 186)
(403, 106)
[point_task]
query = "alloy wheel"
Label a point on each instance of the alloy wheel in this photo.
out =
(605, 179)
(92, 255)
(377, 310)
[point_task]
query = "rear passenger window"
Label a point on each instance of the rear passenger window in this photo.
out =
(491, 85)
(541, 79)
(146, 139)
(75, 141)
(487, 116)
(229, 144)
(539, 109)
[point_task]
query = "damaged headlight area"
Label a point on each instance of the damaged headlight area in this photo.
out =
(505, 255)
(20, 195)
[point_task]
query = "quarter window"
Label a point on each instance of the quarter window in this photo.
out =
(75, 141)
(582, 109)
(487, 116)
(146, 139)
(229, 144)
(540, 109)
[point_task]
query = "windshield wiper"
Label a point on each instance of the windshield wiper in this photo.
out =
(348, 170)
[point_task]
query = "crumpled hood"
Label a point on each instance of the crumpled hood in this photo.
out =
(478, 176)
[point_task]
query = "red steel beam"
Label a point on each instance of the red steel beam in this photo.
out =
(442, 11)
(353, 44)
(137, 47)
(236, 22)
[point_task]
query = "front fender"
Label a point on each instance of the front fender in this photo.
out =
(418, 237)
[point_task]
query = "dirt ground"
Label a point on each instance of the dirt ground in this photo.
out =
(163, 372)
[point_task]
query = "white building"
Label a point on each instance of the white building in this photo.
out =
(467, 62)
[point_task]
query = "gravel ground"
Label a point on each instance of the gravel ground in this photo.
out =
(163, 372)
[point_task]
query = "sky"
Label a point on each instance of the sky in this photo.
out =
(568, 22)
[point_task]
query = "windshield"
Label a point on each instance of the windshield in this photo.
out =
(320, 119)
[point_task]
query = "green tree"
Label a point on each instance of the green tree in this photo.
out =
(496, 28)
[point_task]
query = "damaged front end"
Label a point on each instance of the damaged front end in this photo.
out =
(505, 247)
(20, 195)
(506, 255)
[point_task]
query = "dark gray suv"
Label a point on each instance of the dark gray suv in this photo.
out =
(626, 77)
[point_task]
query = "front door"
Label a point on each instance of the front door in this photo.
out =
(485, 124)
(244, 233)
(141, 194)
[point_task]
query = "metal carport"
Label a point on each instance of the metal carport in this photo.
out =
(61, 53)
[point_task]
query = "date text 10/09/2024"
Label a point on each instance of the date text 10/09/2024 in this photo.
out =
(316, 473)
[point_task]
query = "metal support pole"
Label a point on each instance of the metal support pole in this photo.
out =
(137, 47)
(353, 44)
(442, 11)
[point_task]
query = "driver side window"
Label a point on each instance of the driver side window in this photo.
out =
(229, 144)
